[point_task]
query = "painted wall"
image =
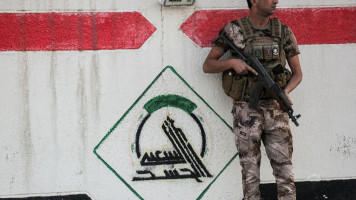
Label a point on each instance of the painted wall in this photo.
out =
(73, 94)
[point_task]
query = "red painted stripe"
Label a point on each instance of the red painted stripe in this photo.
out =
(310, 25)
(73, 31)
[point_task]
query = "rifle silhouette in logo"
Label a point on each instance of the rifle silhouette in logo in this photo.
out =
(183, 153)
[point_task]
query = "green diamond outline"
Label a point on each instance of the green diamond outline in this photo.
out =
(137, 100)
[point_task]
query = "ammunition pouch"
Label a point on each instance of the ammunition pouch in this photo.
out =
(282, 77)
(234, 85)
(237, 86)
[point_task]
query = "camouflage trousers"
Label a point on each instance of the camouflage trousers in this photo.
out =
(271, 126)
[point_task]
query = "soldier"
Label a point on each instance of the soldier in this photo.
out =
(273, 43)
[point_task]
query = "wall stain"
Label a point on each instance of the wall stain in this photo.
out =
(346, 145)
(22, 43)
(51, 30)
(54, 111)
(92, 5)
(94, 33)
(26, 131)
(95, 84)
(80, 31)
(82, 111)
(11, 184)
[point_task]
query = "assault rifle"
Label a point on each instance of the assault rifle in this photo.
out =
(263, 82)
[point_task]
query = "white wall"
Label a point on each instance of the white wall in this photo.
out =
(56, 106)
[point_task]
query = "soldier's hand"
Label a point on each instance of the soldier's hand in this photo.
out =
(277, 104)
(289, 99)
(241, 67)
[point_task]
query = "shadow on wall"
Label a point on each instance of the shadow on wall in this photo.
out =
(58, 197)
(333, 190)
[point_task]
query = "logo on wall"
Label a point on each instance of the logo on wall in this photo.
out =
(179, 152)
(170, 139)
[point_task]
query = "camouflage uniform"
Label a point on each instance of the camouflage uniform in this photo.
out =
(268, 124)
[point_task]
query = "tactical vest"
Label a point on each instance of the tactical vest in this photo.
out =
(269, 51)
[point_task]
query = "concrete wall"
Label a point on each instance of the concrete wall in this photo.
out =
(69, 115)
